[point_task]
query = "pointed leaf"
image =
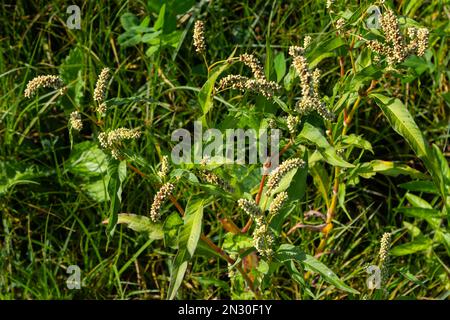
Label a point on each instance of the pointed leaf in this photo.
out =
(288, 252)
(420, 244)
(187, 243)
(313, 135)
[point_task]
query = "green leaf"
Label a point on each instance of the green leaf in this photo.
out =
(88, 165)
(280, 66)
(444, 168)
(128, 21)
(205, 95)
(365, 75)
(117, 172)
(422, 209)
(357, 141)
(171, 226)
(180, 264)
(420, 244)
(152, 50)
(96, 188)
(325, 50)
(191, 231)
(298, 277)
(14, 173)
(388, 168)
(418, 201)
(297, 187)
(141, 224)
(187, 243)
(321, 180)
(288, 252)
(71, 74)
(149, 37)
(419, 65)
(413, 230)
(86, 159)
(236, 242)
(313, 135)
(443, 164)
(289, 79)
(444, 238)
(172, 39)
(422, 213)
(420, 186)
(403, 123)
(129, 39)
(207, 283)
(159, 23)
(285, 182)
(145, 23)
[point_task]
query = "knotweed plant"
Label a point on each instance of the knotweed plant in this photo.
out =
(45, 81)
(258, 83)
(385, 244)
(252, 223)
(395, 47)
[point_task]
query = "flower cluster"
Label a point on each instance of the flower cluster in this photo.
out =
(309, 82)
(292, 122)
(419, 40)
(75, 121)
(329, 3)
(277, 174)
(262, 237)
(250, 61)
(259, 84)
(249, 207)
(383, 255)
(199, 37)
(340, 23)
(100, 86)
(162, 194)
(395, 48)
(102, 107)
(307, 42)
(113, 139)
(212, 178)
(277, 203)
(164, 170)
(385, 244)
(49, 81)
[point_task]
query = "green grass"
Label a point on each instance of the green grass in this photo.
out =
(51, 221)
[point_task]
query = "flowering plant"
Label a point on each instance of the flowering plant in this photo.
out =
(320, 158)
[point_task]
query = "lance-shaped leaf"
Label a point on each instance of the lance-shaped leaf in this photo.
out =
(117, 172)
(187, 243)
(205, 95)
(141, 224)
(403, 123)
(313, 135)
(288, 252)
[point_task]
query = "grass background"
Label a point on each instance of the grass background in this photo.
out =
(49, 222)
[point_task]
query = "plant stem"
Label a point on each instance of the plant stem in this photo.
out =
(342, 65)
